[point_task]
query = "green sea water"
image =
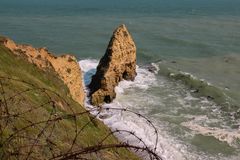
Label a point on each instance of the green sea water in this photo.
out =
(194, 98)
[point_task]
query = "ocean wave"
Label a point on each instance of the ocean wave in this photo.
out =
(199, 87)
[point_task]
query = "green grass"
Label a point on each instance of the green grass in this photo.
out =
(61, 132)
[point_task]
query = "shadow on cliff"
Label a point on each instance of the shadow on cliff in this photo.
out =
(88, 76)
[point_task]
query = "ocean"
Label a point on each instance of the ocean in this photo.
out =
(191, 94)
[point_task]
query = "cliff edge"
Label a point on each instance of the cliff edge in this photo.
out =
(118, 63)
(66, 66)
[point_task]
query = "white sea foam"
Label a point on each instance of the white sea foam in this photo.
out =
(225, 135)
(130, 122)
(168, 147)
(143, 80)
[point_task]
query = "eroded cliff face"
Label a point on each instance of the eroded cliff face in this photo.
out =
(118, 63)
(66, 66)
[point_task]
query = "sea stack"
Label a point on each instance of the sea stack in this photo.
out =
(118, 63)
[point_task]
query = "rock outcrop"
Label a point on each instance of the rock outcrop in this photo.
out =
(118, 63)
(66, 66)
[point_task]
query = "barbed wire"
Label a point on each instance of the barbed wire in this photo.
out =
(26, 135)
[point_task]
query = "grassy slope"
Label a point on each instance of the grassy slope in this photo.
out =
(64, 131)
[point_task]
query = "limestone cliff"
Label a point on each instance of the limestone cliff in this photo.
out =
(118, 63)
(65, 66)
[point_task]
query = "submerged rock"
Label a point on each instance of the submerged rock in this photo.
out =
(66, 66)
(118, 63)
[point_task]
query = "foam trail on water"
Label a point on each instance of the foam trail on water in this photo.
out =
(225, 135)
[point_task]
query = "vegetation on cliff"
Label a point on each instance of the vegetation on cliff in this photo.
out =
(39, 120)
(66, 66)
